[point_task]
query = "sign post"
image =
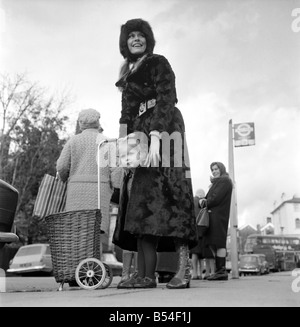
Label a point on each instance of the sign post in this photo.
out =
(233, 210)
(243, 136)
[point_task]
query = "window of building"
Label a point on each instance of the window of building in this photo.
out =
(297, 207)
(297, 221)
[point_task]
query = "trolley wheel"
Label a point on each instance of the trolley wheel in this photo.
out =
(108, 278)
(90, 273)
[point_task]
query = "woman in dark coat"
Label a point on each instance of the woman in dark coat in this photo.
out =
(159, 213)
(218, 201)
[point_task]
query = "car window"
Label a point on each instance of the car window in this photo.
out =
(289, 256)
(48, 250)
(249, 259)
(29, 250)
(109, 257)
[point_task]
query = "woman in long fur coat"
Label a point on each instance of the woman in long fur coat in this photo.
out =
(158, 214)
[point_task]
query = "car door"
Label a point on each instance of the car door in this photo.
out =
(261, 260)
(47, 258)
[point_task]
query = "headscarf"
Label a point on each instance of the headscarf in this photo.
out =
(200, 193)
(223, 171)
(89, 118)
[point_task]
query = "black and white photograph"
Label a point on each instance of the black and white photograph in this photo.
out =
(149, 156)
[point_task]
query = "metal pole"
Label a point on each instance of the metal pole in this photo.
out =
(107, 140)
(233, 209)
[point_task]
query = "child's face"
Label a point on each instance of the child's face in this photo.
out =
(131, 152)
(130, 159)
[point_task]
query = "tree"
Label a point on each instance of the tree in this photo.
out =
(30, 129)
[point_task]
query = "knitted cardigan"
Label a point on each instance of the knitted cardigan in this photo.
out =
(77, 164)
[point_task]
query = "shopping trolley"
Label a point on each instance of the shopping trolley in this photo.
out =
(74, 238)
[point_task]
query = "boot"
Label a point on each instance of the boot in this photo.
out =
(183, 276)
(221, 273)
(131, 282)
(127, 259)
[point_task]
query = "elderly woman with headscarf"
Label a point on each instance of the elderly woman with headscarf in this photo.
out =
(159, 214)
(77, 164)
(218, 201)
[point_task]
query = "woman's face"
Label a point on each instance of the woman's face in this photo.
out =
(136, 42)
(215, 171)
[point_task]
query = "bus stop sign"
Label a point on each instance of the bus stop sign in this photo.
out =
(244, 134)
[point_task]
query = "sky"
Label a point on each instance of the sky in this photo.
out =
(234, 60)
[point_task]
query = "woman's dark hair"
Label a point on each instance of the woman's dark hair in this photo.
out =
(140, 25)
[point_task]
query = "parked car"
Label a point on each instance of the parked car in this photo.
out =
(110, 259)
(253, 264)
(8, 204)
(31, 259)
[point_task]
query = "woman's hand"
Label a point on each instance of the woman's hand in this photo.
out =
(153, 157)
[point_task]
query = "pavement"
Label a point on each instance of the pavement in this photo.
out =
(272, 290)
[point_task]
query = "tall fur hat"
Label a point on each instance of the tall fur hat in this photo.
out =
(131, 25)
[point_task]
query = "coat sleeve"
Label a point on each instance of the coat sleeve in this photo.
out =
(63, 163)
(164, 80)
(218, 192)
(125, 120)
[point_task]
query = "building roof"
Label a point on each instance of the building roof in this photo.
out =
(247, 226)
(293, 200)
(268, 225)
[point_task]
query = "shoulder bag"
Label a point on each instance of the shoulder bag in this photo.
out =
(202, 219)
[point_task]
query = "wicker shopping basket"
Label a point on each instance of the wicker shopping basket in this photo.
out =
(73, 237)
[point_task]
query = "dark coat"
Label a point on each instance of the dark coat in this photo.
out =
(200, 249)
(218, 202)
(161, 199)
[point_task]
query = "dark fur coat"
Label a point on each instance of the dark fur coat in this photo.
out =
(161, 198)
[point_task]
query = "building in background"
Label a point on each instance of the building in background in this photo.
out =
(286, 216)
(277, 238)
(268, 228)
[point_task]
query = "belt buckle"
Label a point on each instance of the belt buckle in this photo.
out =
(151, 103)
(146, 105)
